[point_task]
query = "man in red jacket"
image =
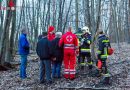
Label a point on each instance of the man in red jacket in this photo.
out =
(70, 43)
(51, 33)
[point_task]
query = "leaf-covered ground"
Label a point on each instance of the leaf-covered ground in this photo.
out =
(118, 65)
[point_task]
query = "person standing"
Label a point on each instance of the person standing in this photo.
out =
(57, 53)
(23, 48)
(85, 50)
(43, 51)
(103, 52)
(70, 43)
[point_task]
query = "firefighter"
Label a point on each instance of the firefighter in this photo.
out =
(85, 51)
(70, 43)
(103, 48)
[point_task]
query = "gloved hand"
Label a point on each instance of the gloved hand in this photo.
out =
(82, 41)
(26, 47)
(88, 41)
(54, 58)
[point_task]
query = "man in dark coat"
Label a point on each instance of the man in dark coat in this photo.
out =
(57, 53)
(43, 51)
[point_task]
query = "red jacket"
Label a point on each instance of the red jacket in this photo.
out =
(69, 40)
(51, 36)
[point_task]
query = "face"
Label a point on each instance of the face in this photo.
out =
(83, 31)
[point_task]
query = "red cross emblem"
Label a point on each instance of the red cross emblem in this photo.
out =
(69, 38)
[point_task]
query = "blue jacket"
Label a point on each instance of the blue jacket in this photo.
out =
(23, 45)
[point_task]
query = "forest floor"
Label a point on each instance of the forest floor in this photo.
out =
(118, 65)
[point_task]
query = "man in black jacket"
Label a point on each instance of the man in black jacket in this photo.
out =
(43, 51)
(57, 54)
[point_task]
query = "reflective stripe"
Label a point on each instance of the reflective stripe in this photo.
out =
(98, 52)
(104, 56)
(105, 50)
(106, 75)
(72, 71)
(85, 50)
(105, 53)
(88, 42)
(66, 71)
(105, 41)
(69, 45)
(83, 64)
(90, 63)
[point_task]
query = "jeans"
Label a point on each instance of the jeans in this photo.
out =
(45, 70)
(56, 68)
(23, 66)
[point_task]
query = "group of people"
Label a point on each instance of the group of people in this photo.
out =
(53, 48)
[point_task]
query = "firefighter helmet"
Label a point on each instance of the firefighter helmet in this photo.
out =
(86, 29)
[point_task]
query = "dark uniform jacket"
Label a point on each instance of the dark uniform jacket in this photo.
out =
(85, 43)
(103, 45)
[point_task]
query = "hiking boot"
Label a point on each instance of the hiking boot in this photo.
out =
(90, 66)
(49, 83)
(82, 67)
(96, 73)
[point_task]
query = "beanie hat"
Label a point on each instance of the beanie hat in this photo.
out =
(51, 28)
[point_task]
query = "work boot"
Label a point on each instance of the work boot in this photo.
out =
(90, 66)
(96, 73)
(48, 83)
(82, 67)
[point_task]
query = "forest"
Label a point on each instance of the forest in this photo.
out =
(111, 16)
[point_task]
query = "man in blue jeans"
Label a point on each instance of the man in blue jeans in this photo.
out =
(43, 51)
(23, 48)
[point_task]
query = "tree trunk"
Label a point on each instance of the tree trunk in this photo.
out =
(76, 9)
(4, 36)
